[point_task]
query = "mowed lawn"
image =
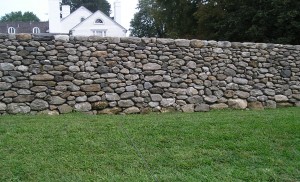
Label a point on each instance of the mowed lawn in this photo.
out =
(227, 145)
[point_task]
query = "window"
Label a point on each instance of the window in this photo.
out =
(11, 30)
(98, 21)
(82, 19)
(101, 33)
(36, 30)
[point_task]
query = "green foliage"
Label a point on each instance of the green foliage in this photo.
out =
(19, 16)
(92, 5)
(226, 145)
(276, 21)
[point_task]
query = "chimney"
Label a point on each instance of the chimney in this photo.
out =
(54, 16)
(117, 11)
(65, 11)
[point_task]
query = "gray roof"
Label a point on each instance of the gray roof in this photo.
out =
(24, 27)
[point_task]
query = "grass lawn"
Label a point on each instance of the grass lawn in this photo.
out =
(225, 145)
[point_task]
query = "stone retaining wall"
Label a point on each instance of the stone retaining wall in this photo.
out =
(62, 74)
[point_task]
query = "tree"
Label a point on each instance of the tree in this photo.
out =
(147, 22)
(276, 21)
(18, 16)
(92, 5)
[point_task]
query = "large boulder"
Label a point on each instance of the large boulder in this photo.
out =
(237, 103)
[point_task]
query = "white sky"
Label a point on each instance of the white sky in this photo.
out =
(40, 8)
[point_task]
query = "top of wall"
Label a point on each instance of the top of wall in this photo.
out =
(194, 43)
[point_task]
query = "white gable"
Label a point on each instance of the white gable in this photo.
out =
(105, 26)
(74, 19)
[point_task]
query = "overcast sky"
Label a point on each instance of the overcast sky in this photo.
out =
(40, 8)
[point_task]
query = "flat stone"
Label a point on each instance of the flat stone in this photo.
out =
(165, 41)
(131, 88)
(125, 103)
(237, 103)
(115, 110)
(6, 67)
(210, 99)
(64, 109)
(156, 97)
(112, 96)
(162, 84)
(5, 86)
(151, 66)
(23, 36)
(22, 84)
(167, 102)
(188, 108)
(2, 106)
(240, 81)
(131, 40)
(281, 98)
(198, 43)
(99, 54)
(182, 42)
(62, 38)
(83, 107)
(39, 105)
(202, 108)
(196, 99)
(42, 77)
(18, 108)
(91, 88)
(269, 92)
(23, 98)
(56, 100)
(132, 110)
(219, 106)
(191, 91)
(255, 105)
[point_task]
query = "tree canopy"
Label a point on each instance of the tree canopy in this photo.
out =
(92, 5)
(275, 21)
(19, 16)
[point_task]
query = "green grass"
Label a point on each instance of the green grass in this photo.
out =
(216, 146)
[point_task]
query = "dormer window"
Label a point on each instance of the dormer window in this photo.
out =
(98, 21)
(36, 30)
(11, 30)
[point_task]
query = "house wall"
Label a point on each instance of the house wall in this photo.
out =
(73, 19)
(98, 75)
(86, 27)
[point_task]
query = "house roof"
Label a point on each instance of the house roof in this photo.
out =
(24, 27)
(81, 7)
(103, 15)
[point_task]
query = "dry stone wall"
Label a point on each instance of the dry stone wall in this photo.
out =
(61, 74)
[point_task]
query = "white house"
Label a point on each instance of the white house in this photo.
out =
(84, 22)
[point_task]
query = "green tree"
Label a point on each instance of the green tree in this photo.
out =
(19, 16)
(148, 22)
(275, 21)
(92, 5)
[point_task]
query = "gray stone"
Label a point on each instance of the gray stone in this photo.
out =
(240, 81)
(156, 78)
(151, 66)
(196, 99)
(127, 95)
(256, 92)
(198, 43)
(2, 106)
(165, 41)
(219, 106)
(83, 107)
(210, 99)
(156, 97)
(114, 110)
(286, 73)
(22, 84)
(131, 88)
(39, 105)
(242, 95)
(281, 98)
(64, 109)
(112, 96)
(61, 38)
(255, 105)
(269, 92)
(125, 103)
(237, 103)
(191, 64)
(162, 84)
(229, 72)
(6, 67)
(42, 77)
(81, 99)
(74, 68)
(56, 100)
(270, 104)
(132, 110)
(167, 102)
(188, 108)
(191, 91)
(18, 108)
(202, 108)
(94, 98)
(182, 42)
(5, 86)
(23, 98)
